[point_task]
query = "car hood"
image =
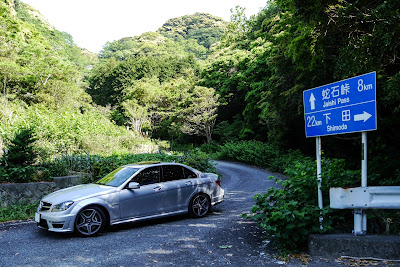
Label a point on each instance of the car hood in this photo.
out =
(77, 193)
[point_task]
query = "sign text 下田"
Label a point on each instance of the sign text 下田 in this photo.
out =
(341, 107)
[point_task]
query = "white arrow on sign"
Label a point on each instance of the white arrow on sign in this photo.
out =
(312, 101)
(362, 117)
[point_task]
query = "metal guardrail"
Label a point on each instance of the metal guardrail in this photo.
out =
(375, 197)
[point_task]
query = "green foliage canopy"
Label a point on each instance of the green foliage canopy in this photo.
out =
(264, 63)
(201, 27)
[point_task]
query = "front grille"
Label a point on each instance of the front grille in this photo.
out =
(44, 206)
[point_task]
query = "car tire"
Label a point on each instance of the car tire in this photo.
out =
(199, 205)
(90, 221)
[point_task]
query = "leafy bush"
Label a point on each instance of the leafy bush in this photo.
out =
(252, 152)
(69, 164)
(290, 214)
(198, 160)
(287, 220)
(104, 165)
(285, 160)
(24, 174)
(210, 148)
(384, 222)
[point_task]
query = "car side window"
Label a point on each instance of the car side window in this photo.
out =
(172, 172)
(188, 173)
(148, 176)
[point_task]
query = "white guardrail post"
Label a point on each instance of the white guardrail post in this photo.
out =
(360, 216)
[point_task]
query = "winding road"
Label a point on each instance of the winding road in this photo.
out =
(222, 238)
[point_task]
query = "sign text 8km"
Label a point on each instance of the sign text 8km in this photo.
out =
(342, 107)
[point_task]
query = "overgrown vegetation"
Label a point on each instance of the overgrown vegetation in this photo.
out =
(18, 212)
(290, 213)
(94, 167)
(97, 167)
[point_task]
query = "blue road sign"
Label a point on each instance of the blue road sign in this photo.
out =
(342, 107)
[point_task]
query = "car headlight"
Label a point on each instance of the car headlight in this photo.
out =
(62, 206)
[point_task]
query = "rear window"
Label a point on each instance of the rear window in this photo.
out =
(173, 172)
(188, 173)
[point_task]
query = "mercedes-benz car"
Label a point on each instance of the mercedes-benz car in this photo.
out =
(130, 193)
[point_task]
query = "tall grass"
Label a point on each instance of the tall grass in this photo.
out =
(18, 212)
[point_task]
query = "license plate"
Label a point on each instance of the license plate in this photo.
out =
(37, 217)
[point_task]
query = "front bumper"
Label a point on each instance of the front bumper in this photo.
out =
(55, 222)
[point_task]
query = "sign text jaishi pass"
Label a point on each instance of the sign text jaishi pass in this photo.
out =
(342, 107)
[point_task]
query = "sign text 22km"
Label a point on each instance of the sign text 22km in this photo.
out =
(342, 107)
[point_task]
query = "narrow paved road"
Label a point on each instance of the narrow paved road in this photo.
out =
(222, 238)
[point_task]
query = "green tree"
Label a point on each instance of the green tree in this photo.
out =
(140, 102)
(21, 150)
(8, 72)
(198, 117)
(137, 114)
(237, 28)
(100, 83)
(204, 28)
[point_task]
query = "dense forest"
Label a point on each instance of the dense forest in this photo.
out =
(198, 79)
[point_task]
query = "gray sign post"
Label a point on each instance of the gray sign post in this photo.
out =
(346, 106)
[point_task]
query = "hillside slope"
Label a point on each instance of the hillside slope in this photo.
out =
(183, 36)
(42, 89)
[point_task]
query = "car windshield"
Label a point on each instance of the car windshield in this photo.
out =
(117, 177)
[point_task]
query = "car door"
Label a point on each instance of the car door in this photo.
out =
(144, 201)
(178, 187)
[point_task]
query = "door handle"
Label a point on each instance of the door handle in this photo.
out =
(189, 183)
(158, 188)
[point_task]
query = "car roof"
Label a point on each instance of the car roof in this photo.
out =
(146, 164)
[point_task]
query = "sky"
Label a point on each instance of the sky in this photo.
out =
(92, 23)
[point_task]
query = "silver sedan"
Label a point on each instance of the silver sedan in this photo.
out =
(130, 193)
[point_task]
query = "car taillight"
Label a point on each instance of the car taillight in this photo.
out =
(218, 182)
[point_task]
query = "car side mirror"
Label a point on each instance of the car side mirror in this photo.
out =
(133, 185)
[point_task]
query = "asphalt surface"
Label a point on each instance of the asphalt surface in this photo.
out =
(222, 238)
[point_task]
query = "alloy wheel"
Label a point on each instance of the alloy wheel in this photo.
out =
(200, 205)
(90, 221)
